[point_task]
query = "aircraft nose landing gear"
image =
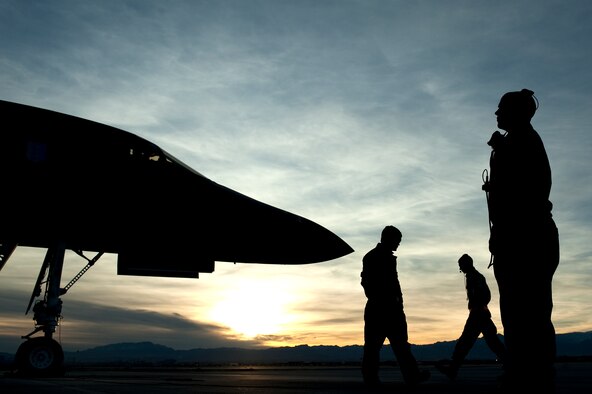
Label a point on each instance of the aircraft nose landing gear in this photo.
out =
(43, 356)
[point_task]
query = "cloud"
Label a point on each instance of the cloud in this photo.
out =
(352, 114)
(87, 324)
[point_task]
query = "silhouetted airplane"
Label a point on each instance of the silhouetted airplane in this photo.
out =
(74, 184)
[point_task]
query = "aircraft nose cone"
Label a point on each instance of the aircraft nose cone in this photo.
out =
(312, 243)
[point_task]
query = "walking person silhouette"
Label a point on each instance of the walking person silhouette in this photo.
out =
(384, 316)
(478, 322)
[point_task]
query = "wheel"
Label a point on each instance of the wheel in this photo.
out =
(40, 357)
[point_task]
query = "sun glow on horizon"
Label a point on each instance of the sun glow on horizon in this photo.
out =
(254, 308)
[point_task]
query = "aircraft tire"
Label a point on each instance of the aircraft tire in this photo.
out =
(40, 356)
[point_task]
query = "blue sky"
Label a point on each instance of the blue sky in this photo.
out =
(354, 114)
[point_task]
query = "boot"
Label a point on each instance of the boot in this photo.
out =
(450, 369)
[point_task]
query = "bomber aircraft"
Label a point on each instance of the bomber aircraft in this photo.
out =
(78, 185)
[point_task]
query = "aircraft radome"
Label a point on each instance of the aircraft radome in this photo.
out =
(74, 184)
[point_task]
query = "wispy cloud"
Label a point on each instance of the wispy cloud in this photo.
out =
(352, 114)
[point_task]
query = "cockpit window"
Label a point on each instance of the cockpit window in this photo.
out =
(153, 153)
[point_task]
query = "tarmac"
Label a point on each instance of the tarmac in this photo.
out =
(572, 378)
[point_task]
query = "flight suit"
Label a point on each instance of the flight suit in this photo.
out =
(384, 316)
(524, 243)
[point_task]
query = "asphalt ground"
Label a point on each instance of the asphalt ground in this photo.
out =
(572, 378)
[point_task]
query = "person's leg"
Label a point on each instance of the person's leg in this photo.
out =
(539, 337)
(525, 287)
(546, 259)
(529, 335)
(489, 331)
(465, 342)
(468, 337)
(507, 298)
(398, 338)
(373, 340)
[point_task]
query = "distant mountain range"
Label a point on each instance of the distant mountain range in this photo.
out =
(573, 345)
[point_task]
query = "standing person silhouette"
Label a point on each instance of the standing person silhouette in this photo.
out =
(524, 242)
(479, 320)
(384, 316)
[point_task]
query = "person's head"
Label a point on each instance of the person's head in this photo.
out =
(391, 237)
(516, 109)
(465, 263)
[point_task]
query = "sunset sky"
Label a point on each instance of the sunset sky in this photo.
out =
(354, 114)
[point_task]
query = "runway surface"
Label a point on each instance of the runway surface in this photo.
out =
(572, 378)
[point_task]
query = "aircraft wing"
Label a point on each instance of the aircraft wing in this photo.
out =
(94, 187)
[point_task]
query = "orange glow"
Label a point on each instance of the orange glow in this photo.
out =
(252, 309)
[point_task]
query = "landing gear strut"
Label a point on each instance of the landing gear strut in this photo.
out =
(43, 356)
